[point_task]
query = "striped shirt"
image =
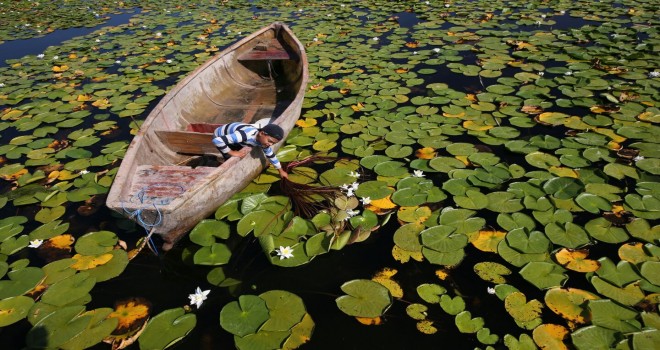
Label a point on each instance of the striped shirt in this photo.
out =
(241, 134)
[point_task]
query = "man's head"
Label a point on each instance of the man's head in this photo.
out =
(270, 134)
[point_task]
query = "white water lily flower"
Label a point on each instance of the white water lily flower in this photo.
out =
(2, 84)
(349, 192)
(447, 5)
(568, 73)
(375, 39)
(198, 297)
(418, 173)
(316, 39)
(344, 187)
(284, 252)
(56, 57)
(414, 52)
(354, 186)
(638, 158)
(351, 213)
(118, 62)
(83, 172)
(427, 2)
(562, 12)
(354, 174)
(98, 40)
(540, 74)
(36, 243)
(169, 61)
(365, 200)
(490, 290)
(437, 49)
(159, 34)
(654, 74)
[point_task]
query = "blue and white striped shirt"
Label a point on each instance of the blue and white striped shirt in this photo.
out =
(241, 134)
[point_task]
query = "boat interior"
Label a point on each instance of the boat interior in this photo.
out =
(257, 80)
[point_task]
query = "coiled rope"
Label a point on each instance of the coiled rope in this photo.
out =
(147, 202)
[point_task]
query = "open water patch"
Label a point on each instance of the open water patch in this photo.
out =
(15, 49)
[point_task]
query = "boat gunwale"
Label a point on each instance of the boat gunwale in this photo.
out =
(127, 173)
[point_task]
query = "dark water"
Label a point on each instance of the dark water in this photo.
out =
(15, 49)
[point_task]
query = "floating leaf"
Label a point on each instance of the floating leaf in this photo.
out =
(430, 292)
(544, 274)
(491, 272)
(576, 260)
(365, 298)
(167, 328)
(570, 303)
(244, 316)
(452, 305)
(131, 315)
(467, 324)
(14, 309)
(550, 336)
(608, 314)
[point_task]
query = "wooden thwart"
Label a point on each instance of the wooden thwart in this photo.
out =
(271, 50)
(185, 142)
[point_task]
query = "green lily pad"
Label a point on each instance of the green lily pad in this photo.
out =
(244, 316)
(629, 295)
(98, 328)
(95, 243)
(519, 308)
(285, 310)
(58, 327)
(69, 289)
(544, 274)
(206, 231)
(467, 324)
(524, 342)
(605, 231)
(593, 337)
(452, 305)
(20, 281)
(111, 269)
(431, 292)
(486, 337)
(213, 255)
(608, 314)
(14, 309)
(365, 298)
(563, 187)
(167, 328)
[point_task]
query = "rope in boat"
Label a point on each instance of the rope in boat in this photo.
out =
(136, 214)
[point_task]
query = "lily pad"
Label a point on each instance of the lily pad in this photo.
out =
(167, 328)
(244, 316)
(14, 309)
(365, 298)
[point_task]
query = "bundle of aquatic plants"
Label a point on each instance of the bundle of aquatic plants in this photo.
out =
(308, 199)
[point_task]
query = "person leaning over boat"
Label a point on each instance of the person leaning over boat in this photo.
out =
(242, 134)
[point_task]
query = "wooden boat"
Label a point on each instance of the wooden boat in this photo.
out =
(157, 184)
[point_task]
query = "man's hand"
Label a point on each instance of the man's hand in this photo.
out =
(240, 153)
(283, 173)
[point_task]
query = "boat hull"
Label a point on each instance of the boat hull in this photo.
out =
(260, 77)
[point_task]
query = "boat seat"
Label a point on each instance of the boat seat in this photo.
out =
(186, 142)
(271, 50)
(156, 184)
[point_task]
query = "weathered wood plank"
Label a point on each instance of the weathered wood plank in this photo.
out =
(185, 142)
(158, 184)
